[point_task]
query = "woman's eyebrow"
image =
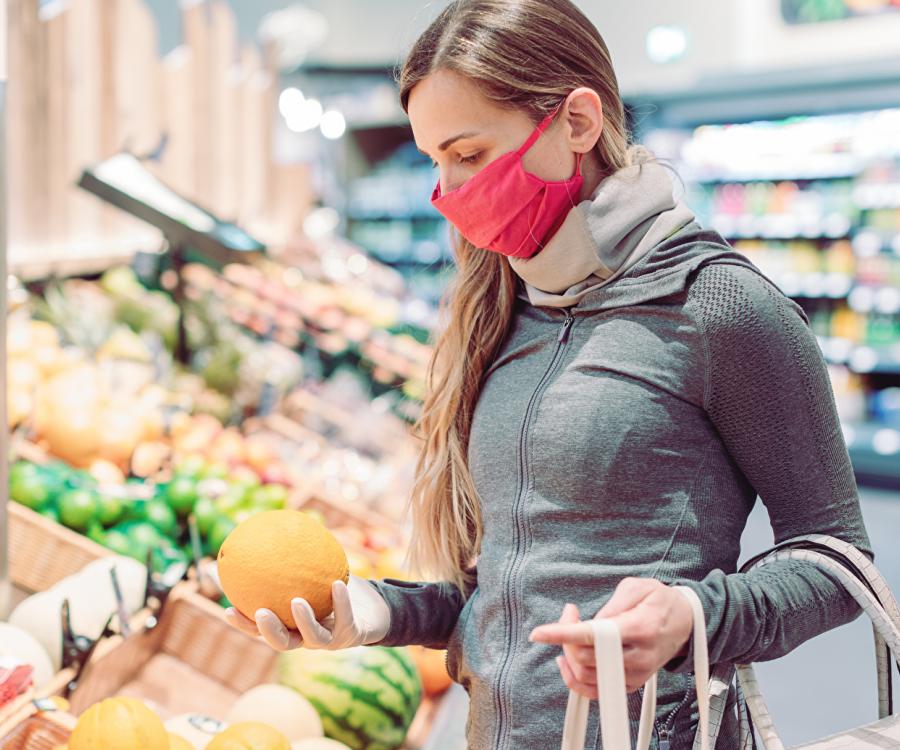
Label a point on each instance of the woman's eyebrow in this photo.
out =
(450, 141)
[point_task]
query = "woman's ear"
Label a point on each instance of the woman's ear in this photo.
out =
(583, 114)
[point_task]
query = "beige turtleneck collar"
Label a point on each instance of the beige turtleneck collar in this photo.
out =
(629, 213)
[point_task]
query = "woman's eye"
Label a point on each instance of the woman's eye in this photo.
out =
(463, 160)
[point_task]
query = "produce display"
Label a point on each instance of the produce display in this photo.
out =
(345, 324)
(135, 518)
(249, 735)
(265, 467)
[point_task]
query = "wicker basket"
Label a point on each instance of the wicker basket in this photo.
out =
(38, 731)
(42, 552)
(191, 662)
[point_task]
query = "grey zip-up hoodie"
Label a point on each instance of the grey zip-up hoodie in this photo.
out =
(629, 435)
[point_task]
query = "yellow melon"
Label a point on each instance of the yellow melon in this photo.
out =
(249, 735)
(119, 724)
(179, 743)
(277, 555)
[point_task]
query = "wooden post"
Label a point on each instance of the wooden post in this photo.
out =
(27, 126)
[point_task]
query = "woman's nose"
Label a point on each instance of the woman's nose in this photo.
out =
(451, 180)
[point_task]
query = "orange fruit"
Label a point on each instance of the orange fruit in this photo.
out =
(432, 668)
(277, 555)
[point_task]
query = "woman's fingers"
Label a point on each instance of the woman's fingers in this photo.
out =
(314, 635)
(586, 675)
(237, 620)
(572, 682)
(570, 616)
(577, 634)
(628, 594)
(343, 609)
(275, 633)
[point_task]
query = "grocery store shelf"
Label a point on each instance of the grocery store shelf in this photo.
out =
(815, 285)
(787, 176)
(758, 95)
(868, 242)
(416, 216)
(75, 260)
(785, 236)
(859, 358)
(875, 453)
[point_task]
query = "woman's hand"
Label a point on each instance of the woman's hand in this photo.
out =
(361, 617)
(655, 622)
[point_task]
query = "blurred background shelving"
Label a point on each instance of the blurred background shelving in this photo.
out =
(305, 360)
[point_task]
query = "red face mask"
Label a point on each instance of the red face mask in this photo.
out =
(507, 210)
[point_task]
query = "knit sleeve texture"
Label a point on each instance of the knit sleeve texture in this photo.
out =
(769, 396)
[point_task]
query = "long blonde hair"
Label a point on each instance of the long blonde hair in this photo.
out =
(525, 55)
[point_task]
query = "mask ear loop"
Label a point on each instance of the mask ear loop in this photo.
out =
(538, 131)
(578, 157)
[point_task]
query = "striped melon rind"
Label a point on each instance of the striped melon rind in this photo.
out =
(367, 697)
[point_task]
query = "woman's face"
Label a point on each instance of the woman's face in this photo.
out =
(462, 131)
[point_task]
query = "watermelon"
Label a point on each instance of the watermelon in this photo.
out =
(367, 696)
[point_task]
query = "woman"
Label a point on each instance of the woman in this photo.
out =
(613, 388)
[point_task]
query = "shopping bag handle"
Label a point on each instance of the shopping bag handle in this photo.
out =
(615, 730)
(884, 621)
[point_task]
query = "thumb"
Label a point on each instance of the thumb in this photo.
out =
(628, 594)
(570, 614)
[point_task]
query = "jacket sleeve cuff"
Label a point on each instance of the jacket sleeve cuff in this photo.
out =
(422, 614)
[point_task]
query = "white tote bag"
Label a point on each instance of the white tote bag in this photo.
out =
(615, 729)
(855, 572)
(863, 581)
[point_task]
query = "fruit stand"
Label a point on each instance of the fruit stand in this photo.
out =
(129, 469)
(164, 486)
(168, 377)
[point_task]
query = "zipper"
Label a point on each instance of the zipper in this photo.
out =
(665, 737)
(566, 327)
(501, 704)
(665, 732)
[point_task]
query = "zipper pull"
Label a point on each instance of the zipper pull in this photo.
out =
(564, 331)
(665, 739)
